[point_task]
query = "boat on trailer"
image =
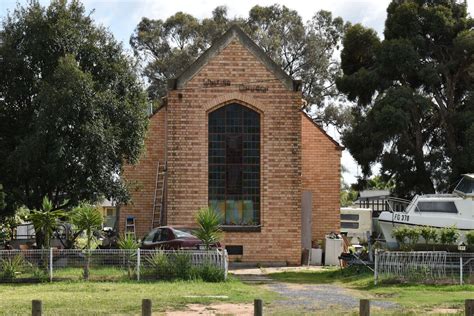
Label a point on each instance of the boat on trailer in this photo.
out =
(435, 210)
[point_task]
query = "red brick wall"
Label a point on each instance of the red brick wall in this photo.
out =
(141, 177)
(321, 165)
(279, 238)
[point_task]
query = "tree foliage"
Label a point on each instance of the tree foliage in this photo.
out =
(2, 198)
(71, 107)
(415, 107)
(304, 50)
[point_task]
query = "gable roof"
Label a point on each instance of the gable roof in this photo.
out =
(232, 33)
(306, 115)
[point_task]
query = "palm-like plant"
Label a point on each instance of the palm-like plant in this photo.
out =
(86, 217)
(208, 226)
(128, 242)
(45, 221)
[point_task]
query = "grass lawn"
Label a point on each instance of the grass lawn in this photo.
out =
(99, 298)
(416, 299)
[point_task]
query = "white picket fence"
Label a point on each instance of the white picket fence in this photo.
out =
(55, 261)
(425, 266)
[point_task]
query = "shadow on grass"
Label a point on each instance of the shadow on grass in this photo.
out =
(359, 275)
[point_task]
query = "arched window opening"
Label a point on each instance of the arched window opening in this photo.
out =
(234, 164)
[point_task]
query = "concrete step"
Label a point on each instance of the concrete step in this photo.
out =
(254, 278)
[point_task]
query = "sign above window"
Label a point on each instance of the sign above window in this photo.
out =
(252, 88)
(208, 83)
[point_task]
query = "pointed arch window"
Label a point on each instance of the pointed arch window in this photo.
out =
(234, 164)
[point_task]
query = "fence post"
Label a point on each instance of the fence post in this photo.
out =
(364, 307)
(51, 264)
(226, 263)
(376, 265)
(257, 307)
(146, 307)
(469, 307)
(36, 307)
(460, 269)
(138, 263)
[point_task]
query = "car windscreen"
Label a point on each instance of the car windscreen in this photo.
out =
(181, 234)
(149, 238)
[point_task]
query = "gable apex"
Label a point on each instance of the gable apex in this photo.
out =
(234, 32)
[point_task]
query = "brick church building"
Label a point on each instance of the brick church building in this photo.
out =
(231, 135)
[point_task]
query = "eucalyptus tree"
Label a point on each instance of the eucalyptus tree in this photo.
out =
(305, 50)
(414, 94)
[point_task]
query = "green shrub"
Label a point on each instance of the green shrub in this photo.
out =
(160, 266)
(406, 236)
(40, 274)
(413, 235)
(400, 234)
(178, 265)
(128, 242)
(181, 265)
(448, 235)
(209, 273)
(470, 238)
(10, 267)
(429, 234)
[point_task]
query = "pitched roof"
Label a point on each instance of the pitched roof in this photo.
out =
(219, 45)
(338, 146)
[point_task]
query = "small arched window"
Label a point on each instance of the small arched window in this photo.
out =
(234, 164)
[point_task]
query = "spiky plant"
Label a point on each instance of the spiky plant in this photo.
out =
(129, 243)
(86, 217)
(208, 226)
(45, 222)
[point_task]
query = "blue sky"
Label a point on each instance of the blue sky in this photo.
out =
(122, 16)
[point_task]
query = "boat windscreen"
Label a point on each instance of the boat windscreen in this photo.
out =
(466, 186)
(437, 207)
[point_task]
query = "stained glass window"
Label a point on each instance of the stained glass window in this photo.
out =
(234, 164)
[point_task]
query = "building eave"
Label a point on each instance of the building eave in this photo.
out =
(338, 146)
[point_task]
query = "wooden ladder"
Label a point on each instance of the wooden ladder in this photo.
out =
(158, 218)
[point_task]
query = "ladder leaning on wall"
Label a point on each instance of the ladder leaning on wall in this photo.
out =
(158, 217)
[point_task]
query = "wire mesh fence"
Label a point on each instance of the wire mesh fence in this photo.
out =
(108, 264)
(425, 266)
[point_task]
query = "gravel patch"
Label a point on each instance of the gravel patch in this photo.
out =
(318, 297)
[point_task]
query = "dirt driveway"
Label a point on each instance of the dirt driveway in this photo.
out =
(296, 299)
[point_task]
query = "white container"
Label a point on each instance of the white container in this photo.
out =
(316, 257)
(334, 248)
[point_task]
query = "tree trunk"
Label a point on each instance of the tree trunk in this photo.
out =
(39, 237)
(426, 185)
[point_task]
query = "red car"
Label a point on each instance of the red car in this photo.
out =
(169, 238)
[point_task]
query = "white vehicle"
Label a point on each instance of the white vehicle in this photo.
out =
(435, 210)
(356, 223)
